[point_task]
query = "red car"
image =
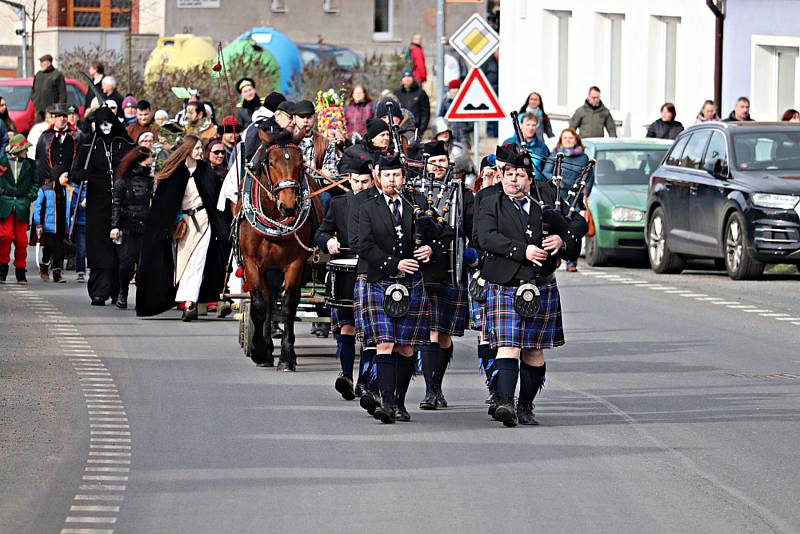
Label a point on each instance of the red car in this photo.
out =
(17, 93)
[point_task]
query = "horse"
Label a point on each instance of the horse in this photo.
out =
(278, 179)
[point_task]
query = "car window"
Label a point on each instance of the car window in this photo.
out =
(308, 57)
(767, 150)
(693, 154)
(346, 59)
(17, 96)
(716, 150)
(627, 166)
(677, 151)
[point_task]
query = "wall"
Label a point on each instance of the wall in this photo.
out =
(529, 51)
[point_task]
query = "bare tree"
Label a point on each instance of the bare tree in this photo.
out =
(34, 9)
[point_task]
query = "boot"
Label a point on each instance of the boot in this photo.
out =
(57, 278)
(506, 413)
(122, 300)
(3, 273)
(44, 271)
(525, 414)
(22, 278)
(344, 385)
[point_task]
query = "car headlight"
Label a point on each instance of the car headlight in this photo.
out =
(768, 200)
(626, 215)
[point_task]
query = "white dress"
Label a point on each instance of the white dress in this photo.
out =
(193, 248)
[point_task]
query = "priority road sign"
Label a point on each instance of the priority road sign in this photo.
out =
(475, 101)
(475, 40)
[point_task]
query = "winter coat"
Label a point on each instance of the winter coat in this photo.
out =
(131, 199)
(661, 129)
(135, 129)
(357, 115)
(419, 70)
(415, 99)
(3, 137)
(538, 151)
(52, 151)
(45, 213)
(17, 194)
(590, 121)
(49, 87)
(572, 163)
(732, 118)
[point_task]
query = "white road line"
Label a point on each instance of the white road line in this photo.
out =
(87, 497)
(108, 461)
(90, 520)
(102, 487)
(677, 291)
(788, 319)
(108, 433)
(109, 469)
(92, 508)
(107, 425)
(86, 531)
(740, 306)
(110, 419)
(110, 440)
(756, 310)
(776, 315)
(110, 447)
(105, 412)
(113, 478)
(796, 322)
(693, 295)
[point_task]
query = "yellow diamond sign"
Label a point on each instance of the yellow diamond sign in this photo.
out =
(475, 40)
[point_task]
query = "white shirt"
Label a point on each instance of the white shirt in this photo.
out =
(389, 201)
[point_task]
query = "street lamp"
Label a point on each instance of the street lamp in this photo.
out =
(20, 11)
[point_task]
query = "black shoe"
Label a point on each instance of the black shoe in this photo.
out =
(344, 385)
(506, 414)
(98, 301)
(286, 367)
(429, 402)
(276, 332)
(369, 401)
(384, 414)
(359, 390)
(3, 273)
(441, 402)
(190, 314)
(492, 400)
(57, 278)
(122, 301)
(525, 414)
(401, 414)
(22, 278)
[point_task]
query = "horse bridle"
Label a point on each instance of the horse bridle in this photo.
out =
(271, 188)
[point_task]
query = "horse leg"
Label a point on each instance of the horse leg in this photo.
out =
(260, 347)
(293, 274)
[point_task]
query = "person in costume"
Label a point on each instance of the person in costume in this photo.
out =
(183, 213)
(18, 188)
(250, 101)
(97, 161)
(57, 145)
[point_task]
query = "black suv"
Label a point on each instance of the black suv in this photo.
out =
(728, 191)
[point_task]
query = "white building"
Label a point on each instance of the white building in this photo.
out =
(639, 53)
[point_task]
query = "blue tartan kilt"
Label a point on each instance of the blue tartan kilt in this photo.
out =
(476, 313)
(341, 317)
(358, 307)
(448, 308)
(504, 327)
(412, 329)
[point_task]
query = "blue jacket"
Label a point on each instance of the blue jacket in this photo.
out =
(44, 209)
(538, 151)
(3, 137)
(569, 171)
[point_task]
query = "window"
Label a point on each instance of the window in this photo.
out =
(675, 154)
(716, 150)
(670, 55)
(382, 19)
(278, 6)
(773, 75)
(785, 58)
(99, 13)
(330, 6)
(767, 151)
(612, 37)
(562, 38)
(627, 166)
(693, 154)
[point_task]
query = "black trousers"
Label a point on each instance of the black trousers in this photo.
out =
(129, 252)
(53, 252)
(104, 283)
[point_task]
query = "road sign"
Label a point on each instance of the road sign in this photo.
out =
(475, 40)
(475, 101)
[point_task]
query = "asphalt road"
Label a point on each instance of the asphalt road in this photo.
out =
(672, 408)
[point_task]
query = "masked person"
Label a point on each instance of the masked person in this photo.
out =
(95, 166)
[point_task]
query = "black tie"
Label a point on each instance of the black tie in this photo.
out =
(398, 219)
(520, 202)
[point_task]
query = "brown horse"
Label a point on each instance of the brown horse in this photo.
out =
(279, 185)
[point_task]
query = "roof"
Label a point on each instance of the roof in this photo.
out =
(749, 125)
(320, 46)
(622, 142)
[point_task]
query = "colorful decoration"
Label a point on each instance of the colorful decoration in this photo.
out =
(330, 115)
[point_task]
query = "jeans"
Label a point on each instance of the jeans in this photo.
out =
(80, 248)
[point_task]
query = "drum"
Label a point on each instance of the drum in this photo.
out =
(341, 282)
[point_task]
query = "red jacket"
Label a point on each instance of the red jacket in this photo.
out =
(418, 62)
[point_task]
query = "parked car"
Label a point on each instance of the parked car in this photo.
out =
(342, 59)
(17, 93)
(727, 191)
(619, 197)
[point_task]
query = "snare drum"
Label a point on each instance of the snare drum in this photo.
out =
(341, 282)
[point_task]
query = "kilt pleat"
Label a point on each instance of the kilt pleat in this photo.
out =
(504, 327)
(377, 327)
(449, 307)
(341, 317)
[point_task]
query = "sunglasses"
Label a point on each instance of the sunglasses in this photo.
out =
(218, 152)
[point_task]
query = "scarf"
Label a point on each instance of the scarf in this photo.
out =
(252, 105)
(569, 152)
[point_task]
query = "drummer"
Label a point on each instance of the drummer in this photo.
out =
(332, 236)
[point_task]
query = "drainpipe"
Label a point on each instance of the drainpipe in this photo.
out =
(716, 7)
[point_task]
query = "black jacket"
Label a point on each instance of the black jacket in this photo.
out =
(664, 130)
(415, 99)
(131, 200)
(354, 216)
(52, 151)
(336, 223)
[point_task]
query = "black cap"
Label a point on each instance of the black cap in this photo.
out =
(304, 107)
(435, 148)
(46, 57)
(355, 160)
(375, 127)
(388, 163)
(58, 109)
(287, 106)
(503, 152)
(519, 160)
(244, 82)
(273, 100)
(488, 161)
(382, 110)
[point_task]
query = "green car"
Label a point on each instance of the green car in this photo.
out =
(619, 196)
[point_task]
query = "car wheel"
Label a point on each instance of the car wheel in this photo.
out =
(662, 260)
(594, 256)
(738, 261)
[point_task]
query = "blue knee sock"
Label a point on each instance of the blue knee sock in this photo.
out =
(346, 350)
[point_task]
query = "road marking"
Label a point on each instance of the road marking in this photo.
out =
(740, 306)
(110, 440)
(90, 519)
(107, 425)
(109, 419)
(756, 310)
(109, 433)
(788, 319)
(776, 315)
(92, 508)
(86, 497)
(86, 531)
(108, 461)
(693, 295)
(113, 478)
(109, 469)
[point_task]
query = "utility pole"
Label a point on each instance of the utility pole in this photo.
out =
(19, 9)
(440, 39)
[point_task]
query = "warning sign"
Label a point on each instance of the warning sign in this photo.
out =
(475, 101)
(475, 40)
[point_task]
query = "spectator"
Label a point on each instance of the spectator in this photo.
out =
(488, 174)
(214, 155)
(5, 118)
(461, 131)
(52, 224)
(145, 139)
(592, 117)
(113, 106)
(73, 117)
(18, 184)
(198, 122)
(741, 111)
(109, 88)
(707, 113)
(49, 87)
(3, 137)
(412, 97)
(666, 127)
(97, 73)
(230, 130)
(36, 132)
(417, 55)
(358, 111)
(160, 117)
(536, 147)
(144, 120)
(129, 104)
(534, 104)
(791, 115)
(250, 101)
